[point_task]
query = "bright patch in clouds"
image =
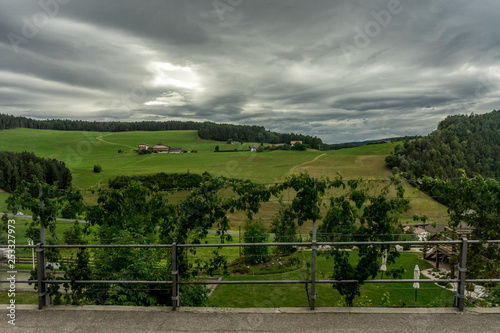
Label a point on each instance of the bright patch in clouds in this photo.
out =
(168, 75)
(168, 99)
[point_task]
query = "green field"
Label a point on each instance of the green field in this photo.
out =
(82, 150)
(292, 295)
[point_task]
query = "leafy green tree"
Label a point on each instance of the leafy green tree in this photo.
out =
(44, 201)
(299, 146)
(371, 218)
(204, 208)
(353, 210)
(304, 207)
(76, 235)
(308, 197)
(145, 152)
(285, 229)
(188, 222)
(4, 229)
(255, 232)
(474, 203)
(127, 216)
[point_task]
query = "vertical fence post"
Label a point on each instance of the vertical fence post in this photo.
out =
(313, 262)
(462, 269)
(313, 267)
(40, 263)
(43, 242)
(175, 277)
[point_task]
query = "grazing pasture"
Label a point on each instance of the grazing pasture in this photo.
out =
(82, 150)
(116, 154)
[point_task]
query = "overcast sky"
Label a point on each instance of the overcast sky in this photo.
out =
(344, 70)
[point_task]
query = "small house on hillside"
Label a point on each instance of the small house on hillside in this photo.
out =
(424, 230)
(160, 148)
(253, 147)
(175, 150)
(294, 142)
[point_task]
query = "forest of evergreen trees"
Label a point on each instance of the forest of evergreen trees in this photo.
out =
(470, 143)
(16, 167)
(206, 130)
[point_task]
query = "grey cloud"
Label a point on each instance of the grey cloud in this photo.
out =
(279, 64)
(381, 103)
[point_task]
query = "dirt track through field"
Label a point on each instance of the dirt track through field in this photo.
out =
(293, 170)
(100, 138)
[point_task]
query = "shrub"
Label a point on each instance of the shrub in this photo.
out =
(255, 232)
(75, 235)
(194, 295)
(299, 146)
(284, 226)
(69, 212)
(401, 304)
(4, 228)
(97, 168)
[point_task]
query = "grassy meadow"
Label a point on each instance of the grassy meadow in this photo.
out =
(82, 150)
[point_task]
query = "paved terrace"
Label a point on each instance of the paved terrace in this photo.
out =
(139, 319)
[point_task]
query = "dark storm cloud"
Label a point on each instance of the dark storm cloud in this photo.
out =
(342, 70)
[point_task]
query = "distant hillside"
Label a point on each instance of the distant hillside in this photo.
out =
(206, 130)
(338, 146)
(471, 143)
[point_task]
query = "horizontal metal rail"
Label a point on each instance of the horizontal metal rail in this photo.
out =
(259, 281)
(460, 281)
(306, 244)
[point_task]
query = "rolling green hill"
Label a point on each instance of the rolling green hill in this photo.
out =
(82, 150)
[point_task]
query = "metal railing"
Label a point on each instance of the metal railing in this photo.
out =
(461, 280)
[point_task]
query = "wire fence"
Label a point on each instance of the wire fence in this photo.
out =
(309, 277)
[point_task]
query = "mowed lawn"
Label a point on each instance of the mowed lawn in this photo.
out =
(293, 295)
